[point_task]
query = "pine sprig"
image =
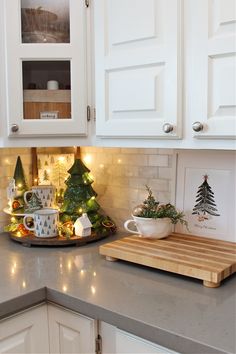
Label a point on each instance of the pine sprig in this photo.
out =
(153, 209)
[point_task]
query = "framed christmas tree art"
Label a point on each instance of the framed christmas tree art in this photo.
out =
(206, 193)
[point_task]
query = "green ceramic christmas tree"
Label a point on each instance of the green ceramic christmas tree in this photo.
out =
(80, 197)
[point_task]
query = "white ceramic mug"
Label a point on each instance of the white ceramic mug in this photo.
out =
(45, 223)
(46, 193)
(148, 227)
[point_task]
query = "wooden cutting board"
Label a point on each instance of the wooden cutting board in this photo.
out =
(203, 258)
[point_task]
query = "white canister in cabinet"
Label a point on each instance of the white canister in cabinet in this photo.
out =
(52, 85)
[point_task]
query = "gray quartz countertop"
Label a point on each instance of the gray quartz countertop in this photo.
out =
(174, 311)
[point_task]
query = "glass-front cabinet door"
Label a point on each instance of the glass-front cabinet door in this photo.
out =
(46, 67)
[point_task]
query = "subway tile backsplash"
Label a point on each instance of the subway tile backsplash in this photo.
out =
(120, 176)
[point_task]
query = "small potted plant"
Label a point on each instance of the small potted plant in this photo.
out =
(154, 220)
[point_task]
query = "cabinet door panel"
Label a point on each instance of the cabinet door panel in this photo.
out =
(32, 54)
(138, 67)
(213, 67)
(120, 342)
(25, 333)
(70, 332)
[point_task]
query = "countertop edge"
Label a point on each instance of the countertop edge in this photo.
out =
(22, 302)
(154, 334)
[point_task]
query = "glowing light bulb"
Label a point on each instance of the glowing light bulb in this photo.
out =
(61, 158)
(119, 161)
(69, 265)
(19, 185)
(87, 159)
(64, 288)
(82, 272)
(13, 270)
(94, 274)
(23, 284)
(36, 180)
(80, 210)
(93, 289)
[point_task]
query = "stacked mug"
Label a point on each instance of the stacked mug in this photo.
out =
(46, 219)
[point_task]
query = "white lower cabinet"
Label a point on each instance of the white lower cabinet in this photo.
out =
(116, 341)
(52, 329)
(70, 332)
(26, 332)
(47, 329)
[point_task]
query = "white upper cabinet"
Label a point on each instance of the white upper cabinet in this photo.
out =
(213, 67)
(138, 68)
(46, 80)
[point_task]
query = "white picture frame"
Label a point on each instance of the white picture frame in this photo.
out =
(220, 168)
(52, 169)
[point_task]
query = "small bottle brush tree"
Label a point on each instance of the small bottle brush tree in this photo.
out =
(153, 209)
(80, 197)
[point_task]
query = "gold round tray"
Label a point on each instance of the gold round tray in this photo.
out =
(31, 239)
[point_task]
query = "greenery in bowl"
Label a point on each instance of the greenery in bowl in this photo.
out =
(153, 209)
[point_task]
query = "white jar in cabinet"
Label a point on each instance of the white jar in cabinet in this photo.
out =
(43, 44)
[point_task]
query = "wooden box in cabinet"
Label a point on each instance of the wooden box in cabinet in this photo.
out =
(38, 101)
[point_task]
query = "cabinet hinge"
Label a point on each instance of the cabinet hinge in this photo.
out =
(86, 3)
(88, 113)
(98, 345)
(94, 114)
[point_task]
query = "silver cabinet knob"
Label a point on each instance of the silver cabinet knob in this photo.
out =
(14, 128)
(197, 126)
(167, 128)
